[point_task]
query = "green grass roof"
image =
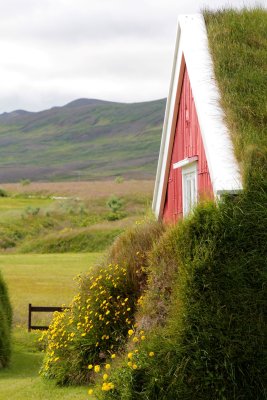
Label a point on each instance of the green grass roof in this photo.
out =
(238, 45)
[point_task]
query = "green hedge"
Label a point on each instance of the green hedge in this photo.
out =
(5, 325)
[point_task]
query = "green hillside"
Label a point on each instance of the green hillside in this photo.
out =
(86, 139)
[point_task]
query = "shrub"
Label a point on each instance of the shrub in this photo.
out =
(96, 325)
(5, 325)
(132, 249)
(119, 179)
(73, 206)
(93, 328)
(25, 182)
(115, 204)
(115, 216)
(3, 193)
(31, 211)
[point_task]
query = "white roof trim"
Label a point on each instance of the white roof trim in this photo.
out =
(192, 48)
(185, 161)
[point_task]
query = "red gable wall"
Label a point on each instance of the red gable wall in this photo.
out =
(187, 143)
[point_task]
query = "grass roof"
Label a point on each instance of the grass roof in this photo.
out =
(238, 45)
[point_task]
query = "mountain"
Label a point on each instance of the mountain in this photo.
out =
(86, 139)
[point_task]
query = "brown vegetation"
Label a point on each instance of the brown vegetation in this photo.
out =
(84, 190)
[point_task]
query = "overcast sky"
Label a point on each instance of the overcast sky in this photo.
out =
(55, 51)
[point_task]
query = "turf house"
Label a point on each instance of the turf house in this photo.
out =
(196, 155)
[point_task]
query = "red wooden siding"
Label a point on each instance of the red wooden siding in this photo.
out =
(187, 143)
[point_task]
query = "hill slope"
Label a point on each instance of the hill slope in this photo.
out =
(85, 139)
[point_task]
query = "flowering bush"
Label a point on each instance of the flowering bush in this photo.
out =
(128, 369)
(92, 328)
(83, 338)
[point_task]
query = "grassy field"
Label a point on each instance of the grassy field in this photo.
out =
(40, 280)
(68, 217)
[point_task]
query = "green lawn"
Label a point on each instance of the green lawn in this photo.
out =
(15, 207)
(40, 280)
(21, 380)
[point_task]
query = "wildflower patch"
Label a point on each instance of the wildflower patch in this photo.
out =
(80, 339)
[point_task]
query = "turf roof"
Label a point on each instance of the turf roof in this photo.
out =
(238, 45)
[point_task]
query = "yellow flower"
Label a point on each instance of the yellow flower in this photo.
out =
(105, 377)
(107, 366)
(90, 391)
(135, 340)
(90, 366)
(97, 368)
(130, 355)
(143, 337)
(151, 354)
(129, 363)
(134, 366)
(113, 355)
(107, 386)
(130, 332)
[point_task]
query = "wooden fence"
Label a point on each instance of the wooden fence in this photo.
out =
(41, 309)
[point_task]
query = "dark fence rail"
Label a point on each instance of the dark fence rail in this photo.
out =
(41, 309)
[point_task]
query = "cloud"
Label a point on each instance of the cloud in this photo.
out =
(56, 51)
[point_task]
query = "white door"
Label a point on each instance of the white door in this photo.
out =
(189, 187)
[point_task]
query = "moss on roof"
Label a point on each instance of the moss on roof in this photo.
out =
(238, 45)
